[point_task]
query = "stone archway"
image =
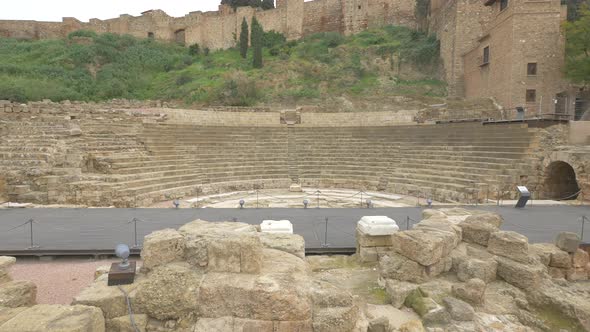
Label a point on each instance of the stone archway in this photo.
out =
(560, 181)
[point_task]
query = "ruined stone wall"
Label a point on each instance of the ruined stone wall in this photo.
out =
(219, 30)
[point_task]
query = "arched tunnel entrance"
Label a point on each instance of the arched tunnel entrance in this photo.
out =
(560, 181)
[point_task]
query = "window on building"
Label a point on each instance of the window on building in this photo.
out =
(503, 4)
(486, 55)
(151, 35)
(531, 95)
(531, 69)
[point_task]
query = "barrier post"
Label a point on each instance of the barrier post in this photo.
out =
(32, 239)
(326, 245)
(583, 222)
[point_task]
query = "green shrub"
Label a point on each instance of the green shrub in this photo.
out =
(82, 33)
(272, 38)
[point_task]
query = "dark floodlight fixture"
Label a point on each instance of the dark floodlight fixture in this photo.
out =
(176, 203)
(242, 202)
(305, 203)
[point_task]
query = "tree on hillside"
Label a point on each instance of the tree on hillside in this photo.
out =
(244, 38)
(264, 4)
(268, 4)
(577, 47)
(573, 8)
(257, 33)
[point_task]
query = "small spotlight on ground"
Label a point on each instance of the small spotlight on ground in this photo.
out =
(305, 203)
(242, 202)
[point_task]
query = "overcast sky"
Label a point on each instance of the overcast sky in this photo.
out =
(54, 10)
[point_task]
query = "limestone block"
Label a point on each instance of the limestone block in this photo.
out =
(580, 258)
(44, 318)
(459, 310)
(477, 268)
(295, 188)
(525, 276)
(325, 294)
(561, 259)
(221, 324)
(543, 251)
(282, 297)
(576, 274)
(471, 291)
(7, 314)
(109, 299)
(395, 266)
(290, 243)
(398, 291)
(123, 323)
(567, 241)
(335, 319)
(277, 262)
(170, 291)
(509, 244)
(4, 277)
(240, 253)
(101, 270)
(477, 228)
(367, 254)
(20, 293)
(412, 326)
(556, 272)
(377, 225)
(365, 240)
(380, 324)
(293, 326)
(162, 247)
(424, 247)
(6, 262)
(276, 226)
(440, 225)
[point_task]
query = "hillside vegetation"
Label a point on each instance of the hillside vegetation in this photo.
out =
(380, 62)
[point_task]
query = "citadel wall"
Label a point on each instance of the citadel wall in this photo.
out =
(219, 29)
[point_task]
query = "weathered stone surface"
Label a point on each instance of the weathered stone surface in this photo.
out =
(440, 225)
(6, 262)
(199, 234)
(420, 303)
(479, 269)
(170, 291)
(7, 313)
(477, 228)
(394, 317)
(162, 247)
(543, 251)
(509, 244)
(576, 274)
(395, 266)
(335, 319)
(366, 240)
(44, 318)
(4, 277)
(571, 304)
(262, 297)
(237, 253)
(380, 324)
(412, 326)
(123, 323)
(561, 259)
(459, 310)
(424, 247)
(521, 275)
(15, 294)
(471, 291)
(567, 241)
(109, 299)
(556, 272)
(101, 270)
(325, 294)
(276, 262)
(290, 243)
(398, 291)
(580, 259)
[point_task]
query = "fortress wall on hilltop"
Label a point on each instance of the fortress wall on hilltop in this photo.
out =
(220, 29)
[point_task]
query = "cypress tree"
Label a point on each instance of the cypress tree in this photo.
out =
(244, 37)
(257, 43)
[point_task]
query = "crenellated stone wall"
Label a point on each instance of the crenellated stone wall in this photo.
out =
(219, 29)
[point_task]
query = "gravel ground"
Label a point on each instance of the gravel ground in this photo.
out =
(59, 280)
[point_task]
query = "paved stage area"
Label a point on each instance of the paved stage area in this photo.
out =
(94, 229)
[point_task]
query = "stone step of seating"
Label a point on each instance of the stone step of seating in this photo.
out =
(457, 178)
(489, 163)
(192, 163)
(22, 163)
(26, 155)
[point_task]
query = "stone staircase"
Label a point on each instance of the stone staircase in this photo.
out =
(117, 159)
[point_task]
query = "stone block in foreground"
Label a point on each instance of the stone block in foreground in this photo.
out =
(45, 318)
